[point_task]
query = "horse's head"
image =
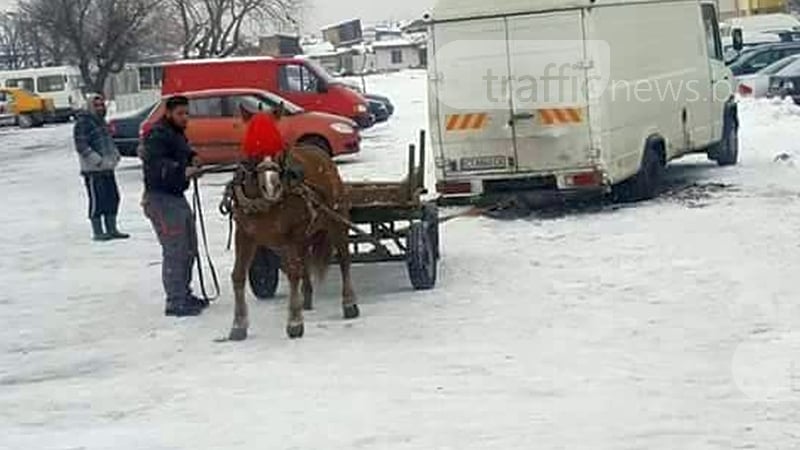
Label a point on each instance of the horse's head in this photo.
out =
(262, 180)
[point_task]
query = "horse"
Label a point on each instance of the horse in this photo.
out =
(300, 226)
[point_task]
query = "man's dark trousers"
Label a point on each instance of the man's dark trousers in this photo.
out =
(173, 223)
(103, 194)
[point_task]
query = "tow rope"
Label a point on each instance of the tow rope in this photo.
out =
(199, 218)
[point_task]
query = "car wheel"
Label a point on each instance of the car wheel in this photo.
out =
(318, 142)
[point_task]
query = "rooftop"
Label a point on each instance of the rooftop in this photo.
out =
(394, 43)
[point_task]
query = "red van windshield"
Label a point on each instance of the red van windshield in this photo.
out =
(320, 71)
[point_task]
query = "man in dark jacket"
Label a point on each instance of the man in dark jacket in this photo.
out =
(168, 166)
(98, 157)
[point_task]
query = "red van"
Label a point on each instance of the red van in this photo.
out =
(301, 81)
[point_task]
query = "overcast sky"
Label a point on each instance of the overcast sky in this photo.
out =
(324, 12)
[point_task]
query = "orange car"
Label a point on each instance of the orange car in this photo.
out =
(216, 127)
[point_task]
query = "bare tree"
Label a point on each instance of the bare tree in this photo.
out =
(100, 35)
(12, 41)
(216, 28)
(45, 48)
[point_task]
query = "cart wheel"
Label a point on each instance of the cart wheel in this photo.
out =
(265, 274)
(430, 217)
(421, 258)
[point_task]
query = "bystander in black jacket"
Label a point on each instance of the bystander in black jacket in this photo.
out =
(166, 156)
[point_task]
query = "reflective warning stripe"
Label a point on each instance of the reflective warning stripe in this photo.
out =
(560, 116)
(463, 122)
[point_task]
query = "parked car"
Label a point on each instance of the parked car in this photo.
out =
(387, 103)
(124, 129)
(378, 111)
(762, 56)
(216, 127)
(301, 81)
(750, 41)
(786, 82)
(29, 109)
(757, 84)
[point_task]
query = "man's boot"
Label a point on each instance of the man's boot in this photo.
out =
(182, 308)
(97, 229)
(111, 229)
(198, 301)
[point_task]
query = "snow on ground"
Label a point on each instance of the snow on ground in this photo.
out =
(668, 325)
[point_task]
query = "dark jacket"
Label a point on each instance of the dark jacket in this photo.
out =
(166, 156)
(94, 143)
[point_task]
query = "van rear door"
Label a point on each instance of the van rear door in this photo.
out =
(548, 64)
(470, 86)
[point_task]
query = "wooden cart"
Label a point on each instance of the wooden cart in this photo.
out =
(395, 225)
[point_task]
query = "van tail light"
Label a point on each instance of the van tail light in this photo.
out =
(745, 90)
(454, 187)
(584, 179)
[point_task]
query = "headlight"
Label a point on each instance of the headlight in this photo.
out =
(342, 128)
(361, 108)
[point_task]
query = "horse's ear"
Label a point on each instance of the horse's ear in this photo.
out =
(246, 115)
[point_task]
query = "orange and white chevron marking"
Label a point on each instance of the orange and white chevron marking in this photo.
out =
(560, 116)
(467, 122)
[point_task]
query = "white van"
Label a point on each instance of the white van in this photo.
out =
(573, 96)
(62, 84)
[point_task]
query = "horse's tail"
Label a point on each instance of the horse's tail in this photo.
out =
(319, 256)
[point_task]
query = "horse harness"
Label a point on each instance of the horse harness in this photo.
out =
(235, 202)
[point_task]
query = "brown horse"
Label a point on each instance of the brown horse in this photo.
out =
(295, 228)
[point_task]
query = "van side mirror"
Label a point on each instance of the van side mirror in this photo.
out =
(322, 87)
(738, 39)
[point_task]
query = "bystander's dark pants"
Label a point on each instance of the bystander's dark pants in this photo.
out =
(173, 223)
(103, 193)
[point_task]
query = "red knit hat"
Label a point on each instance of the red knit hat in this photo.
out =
(262, 138)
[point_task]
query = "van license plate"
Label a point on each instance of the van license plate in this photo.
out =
(483, 163)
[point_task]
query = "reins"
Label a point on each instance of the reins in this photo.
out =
(199, 217)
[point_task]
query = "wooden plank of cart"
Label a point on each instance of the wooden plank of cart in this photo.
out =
(396, 226)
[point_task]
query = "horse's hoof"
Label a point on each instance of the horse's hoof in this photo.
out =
(351, 311)
(238, 334)
(308, 306)
(295, 331)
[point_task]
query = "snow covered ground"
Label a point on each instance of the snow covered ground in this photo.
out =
(668, 325)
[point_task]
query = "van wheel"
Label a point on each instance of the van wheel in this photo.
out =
(316, 141)
(726, 153)
(646, 184)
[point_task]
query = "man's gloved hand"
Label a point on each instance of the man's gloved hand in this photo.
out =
(95, 159)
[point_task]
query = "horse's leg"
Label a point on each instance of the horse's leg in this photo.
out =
(349, 302)
(295, 268)
(308, 290)
(245, 252)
